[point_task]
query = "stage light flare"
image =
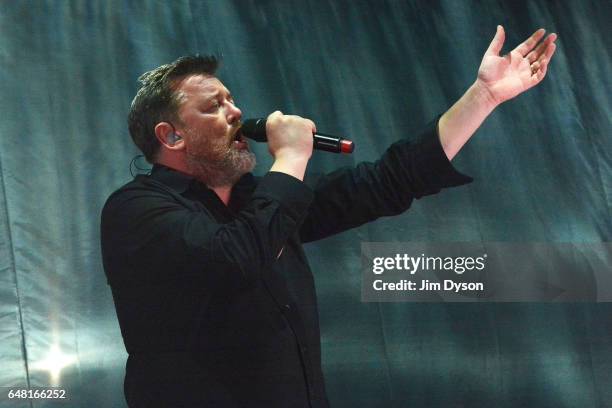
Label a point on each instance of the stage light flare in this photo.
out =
(55, 361)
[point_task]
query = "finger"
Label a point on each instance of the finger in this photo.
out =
(540, 73)
(541, 66)
(529, 43)
(547, 54)
(275, 114)
(312, 125)
(497, 43)
(539, 50)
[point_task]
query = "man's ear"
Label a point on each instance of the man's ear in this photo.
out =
(167, 136)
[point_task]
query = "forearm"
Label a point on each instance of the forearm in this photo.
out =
(348, 197)
(460, 122)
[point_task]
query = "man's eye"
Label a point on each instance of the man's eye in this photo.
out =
(213, 106)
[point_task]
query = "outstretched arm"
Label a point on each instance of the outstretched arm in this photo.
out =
(499, 78)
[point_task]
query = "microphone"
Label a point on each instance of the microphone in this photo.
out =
(255, 129)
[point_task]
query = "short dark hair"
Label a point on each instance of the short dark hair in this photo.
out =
(157, 100)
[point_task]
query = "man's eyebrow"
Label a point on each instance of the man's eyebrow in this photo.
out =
(209, 96)
(214, 94)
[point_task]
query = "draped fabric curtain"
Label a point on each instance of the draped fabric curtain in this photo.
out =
(373, 70)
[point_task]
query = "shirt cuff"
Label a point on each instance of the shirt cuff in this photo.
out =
(436, 170)
(293, 195)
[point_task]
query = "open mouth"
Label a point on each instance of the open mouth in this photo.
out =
(238, 135)
(239, 140)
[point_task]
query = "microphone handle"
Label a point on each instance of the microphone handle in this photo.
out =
(331, 143)
(255, 129)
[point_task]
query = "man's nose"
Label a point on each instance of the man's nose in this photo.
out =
(234, 114)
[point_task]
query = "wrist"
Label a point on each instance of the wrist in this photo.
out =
(290, 154)
(294, 165)
(482, 95)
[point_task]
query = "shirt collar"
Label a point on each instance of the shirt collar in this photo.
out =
(180, 182)
(176, 180)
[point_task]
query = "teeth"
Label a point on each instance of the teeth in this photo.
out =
(239, 139)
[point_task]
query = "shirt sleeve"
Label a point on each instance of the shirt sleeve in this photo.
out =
(350, 197)
(148, 235)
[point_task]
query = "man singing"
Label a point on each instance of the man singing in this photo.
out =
(214, 295)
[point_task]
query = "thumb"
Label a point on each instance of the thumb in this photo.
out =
(498, 42)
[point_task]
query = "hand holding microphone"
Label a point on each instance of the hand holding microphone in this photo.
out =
(289, 142)
(259, 128)
(286, 135)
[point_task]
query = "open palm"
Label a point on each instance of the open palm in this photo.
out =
(524, 67)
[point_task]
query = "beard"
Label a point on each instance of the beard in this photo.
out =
(217, 164)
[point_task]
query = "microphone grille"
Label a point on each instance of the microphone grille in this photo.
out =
(254, 129)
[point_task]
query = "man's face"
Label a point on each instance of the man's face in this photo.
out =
(209, 122)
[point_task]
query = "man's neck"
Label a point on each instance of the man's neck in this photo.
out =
(224, 193)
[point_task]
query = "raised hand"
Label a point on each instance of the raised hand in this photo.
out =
(524, 67)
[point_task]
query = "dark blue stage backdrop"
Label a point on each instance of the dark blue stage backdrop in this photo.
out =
(375, 70)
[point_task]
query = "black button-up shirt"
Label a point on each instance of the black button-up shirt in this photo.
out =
(216, 303)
